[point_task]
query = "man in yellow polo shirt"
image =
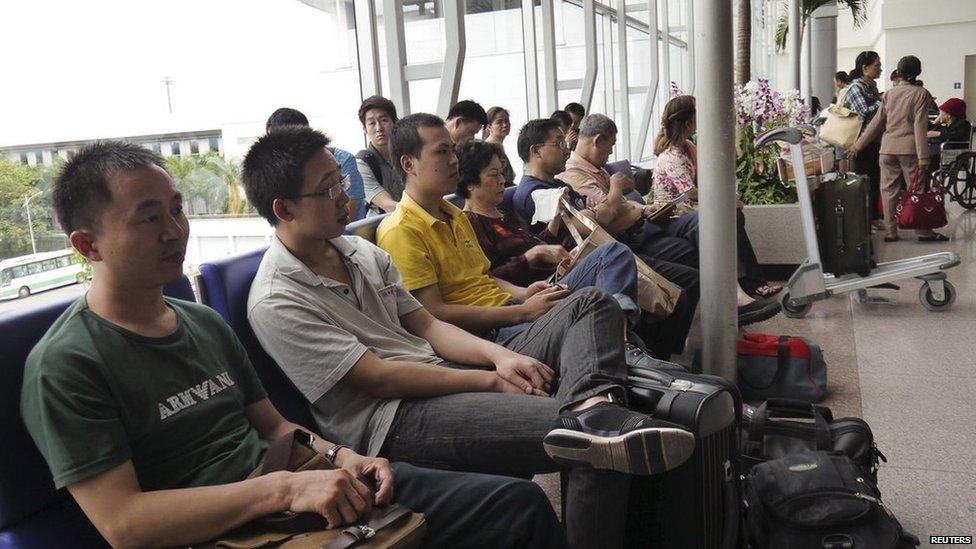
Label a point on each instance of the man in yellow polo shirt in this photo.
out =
(437, 252)
(580, 337)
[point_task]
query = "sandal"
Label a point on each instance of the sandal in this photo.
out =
(937, 237)
(768, 290)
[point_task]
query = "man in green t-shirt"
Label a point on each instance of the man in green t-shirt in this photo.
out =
(148, 411)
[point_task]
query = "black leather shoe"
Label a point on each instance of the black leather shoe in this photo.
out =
(759, 310)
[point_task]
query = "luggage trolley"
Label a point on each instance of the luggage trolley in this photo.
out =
(810, 283)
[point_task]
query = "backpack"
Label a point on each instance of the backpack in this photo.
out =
(369, 157)
(818, 500)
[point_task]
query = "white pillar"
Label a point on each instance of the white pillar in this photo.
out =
(793, 43)
(716, 176)
(823, 43)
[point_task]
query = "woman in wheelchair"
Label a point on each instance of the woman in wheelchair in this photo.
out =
(950, 126)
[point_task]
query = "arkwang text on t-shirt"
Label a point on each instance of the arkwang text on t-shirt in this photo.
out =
(184, 399)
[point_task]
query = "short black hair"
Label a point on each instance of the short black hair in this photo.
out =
(562, 117)
(285, 116)
(81, 188)
(470, 110)
(377, 102)
(273, 167)
(534, 132)
(405, 137)
(473, 157)
(575, 108)
(842, 76)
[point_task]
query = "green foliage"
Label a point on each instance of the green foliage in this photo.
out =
(807, 7)
(755, 172)
(209, 183)
(18, 182)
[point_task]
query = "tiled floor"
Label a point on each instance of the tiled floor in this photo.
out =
(917, 391)
(911, 374)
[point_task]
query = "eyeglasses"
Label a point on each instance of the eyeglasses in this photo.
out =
(560, 144)
(331, 193)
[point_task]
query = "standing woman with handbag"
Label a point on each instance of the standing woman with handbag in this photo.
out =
(902, 123)
(862, 97)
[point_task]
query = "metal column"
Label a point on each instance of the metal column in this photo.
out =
(367, 49)
(690, 16)
(589, 34)
(666, 52)
(455, 46)
(396, 55)
(531, 60)
(623, 142)
(793, 43)
(549, 54)
(650, 96)
(807, 65)
(823, 42)
(716, 175)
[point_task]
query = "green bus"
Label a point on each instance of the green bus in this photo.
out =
(24, 275)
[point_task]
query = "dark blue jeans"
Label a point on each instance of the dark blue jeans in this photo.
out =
(478, 510)
(581, 338)
(750, 275)
(609, 267)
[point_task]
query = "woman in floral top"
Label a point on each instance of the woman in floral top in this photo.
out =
(676, 173)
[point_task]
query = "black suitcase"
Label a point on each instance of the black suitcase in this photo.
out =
(780, 427)
(695, 506)
(843, 214)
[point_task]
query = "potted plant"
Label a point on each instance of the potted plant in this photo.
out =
(771, 212)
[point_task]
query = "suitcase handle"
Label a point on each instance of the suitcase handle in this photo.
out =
(764, 421)
(637, 373)
(839, 217)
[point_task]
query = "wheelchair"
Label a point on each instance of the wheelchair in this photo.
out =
(957, 171)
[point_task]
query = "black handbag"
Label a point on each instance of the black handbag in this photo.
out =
(780, 427)
(818, 500)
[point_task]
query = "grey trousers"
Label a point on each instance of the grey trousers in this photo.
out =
(581, 338)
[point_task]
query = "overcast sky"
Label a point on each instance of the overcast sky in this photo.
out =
(95, 68)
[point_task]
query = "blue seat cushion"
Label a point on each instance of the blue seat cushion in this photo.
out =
(30, 507)
(226, 286)
(61, 525)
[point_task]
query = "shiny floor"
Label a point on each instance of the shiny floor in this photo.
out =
(911, 374)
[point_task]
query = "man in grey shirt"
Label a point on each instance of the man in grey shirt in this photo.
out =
(385, 376)
(382, 184)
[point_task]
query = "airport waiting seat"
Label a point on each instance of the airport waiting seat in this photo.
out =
(32, 512)
(224, 286)
(507, 199)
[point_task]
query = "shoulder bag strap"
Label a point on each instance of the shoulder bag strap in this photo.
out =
(369, 157)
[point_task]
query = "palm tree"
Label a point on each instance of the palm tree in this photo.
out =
(743, 41)
(230, 173)
(807, 7)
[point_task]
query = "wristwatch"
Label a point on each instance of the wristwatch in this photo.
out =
(334, 452)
